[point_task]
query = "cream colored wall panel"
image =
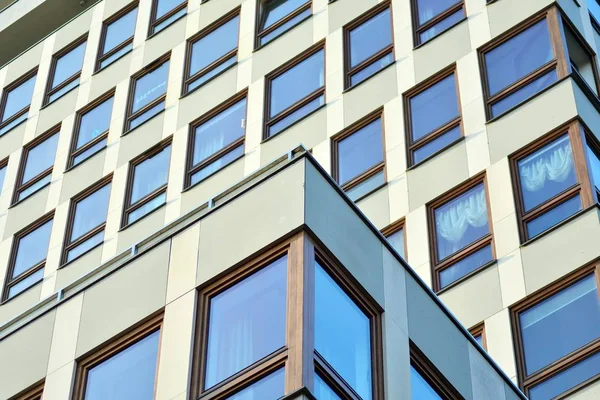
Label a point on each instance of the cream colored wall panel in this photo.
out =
(59, 227)
(162, 42)
(111, 7)
(394, 284)
(500, 190)
(82, 176)
(244, 68)
(321, 20)
(322, 153)
(335, 116)
(393, 123)
(255, 114)
(74, 29)
(109, 77)
(25, 62)
(12, 141)
(589, 392)
(503, 16)
(63, 146)
(512, 281)
(59, 384)
(342, 12)
(334, 62)
(19, 304)
(140, 139)
(213, 10)
(506, 235)
(398, 191)
(141, 229)
(78, 267)
(183, 263)
(141, 27)
(469, 82)
(64, 336)
(478, 156)
(498, 335)
(123, 299)
(479, 26)
(56, 111)
(376, 207)
(396, 361)
(417, 236)
(28, 352)
(26, 212)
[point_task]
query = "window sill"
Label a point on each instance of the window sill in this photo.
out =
(15, 204)
(213, 173)
(420, 45)
(437, 153)
(189, 92)
(96, 72)
(467, 277)
(262, 46)
(59, 97)
(143, 123)
(80, 256)
(295, 122)
(14, 127)
(153, 35)
(124, 227)
(348, 89)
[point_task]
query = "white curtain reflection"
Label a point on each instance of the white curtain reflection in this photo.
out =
(554, 164)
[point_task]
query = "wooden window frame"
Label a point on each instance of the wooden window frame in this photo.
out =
(390, 49)
(439, 131)
(67, 244)
(113, 347)
(189, 79)
(10, 282)
(281, 70)
(526, 382)
(479, 330)
(429, 372)
(33, 393)
(471, 248)
(73, 151)
(114, 18)
(260, 17)
(365, 175)
(130, 115)
(577, 137)
(67, 49)
(395, 227)
(154, 22)
(20, 186)
(418, 29)
(4, 99)
(128, 208)
(190, 168)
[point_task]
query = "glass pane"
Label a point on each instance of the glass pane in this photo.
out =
(371, 70)
(524, 93)
(396, 239)
(14, 123)
(120, 30)
(429, 9)
(441, 26)
(219, 132)
(107, 61)
(594, 166)
(2, 175)
(19, 98)
(40, 158)
(90, 212)
(461, 222)
(360, 151)
(419, 388)
(85, 246)
(170, 20)
(26, 283)
(433, 108)
(150, 174)
(212, 73)
(560, 324)
(270, 387)
(275, 10)
(296, 116)
(214, 45)
(157, 109)
(297, 83)
(438, 144)
(465, 266)
(323, 391)
(367, 186)
(32, 249)
(64, 90)
(90, 152)
(68, 65)
(150, 86)
(164, 6)
(342, 333)
(247, 322)
(546, 173)
(147, 208)
(553, 217)
(218, 164)
(129, 374)
(594, 8)
(35, 187)
(518, 57)
(284, 27)
(94, 123)
(370, 37)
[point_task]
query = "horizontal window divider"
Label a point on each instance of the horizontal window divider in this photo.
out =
(85, 237)
(89, 145)
(551, 203)
(212, 66)
(15, 116)
(436, 134)
(322, 366)
(146, 108)
(219, 154)
(525, 81)
(286, 19)
(63, 84)
(440, 17)
(357, 180)
(296, 106)
(389, 49)
(26, 274)
(35, 179)
(168, 15)
(463, 253)
(115, 50)
(144, 200)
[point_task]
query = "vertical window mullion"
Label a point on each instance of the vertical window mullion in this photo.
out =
(559, 44)
(576, 134)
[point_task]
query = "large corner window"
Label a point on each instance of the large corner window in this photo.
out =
(15, 102)
(65, 70)
(426, 381)
(395, 234)
(165, 13)
(275, 17)
(117, 36)
(295, 90)
(433, 17)
(462, 239)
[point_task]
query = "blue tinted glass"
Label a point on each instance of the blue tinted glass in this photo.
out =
(440, 27)
(275, 10)
(284, 27)
(32, 249)
(26, 283)
(554, 216)
(594, 8)
(94, 123)
(90, 212)
(150, 174)
(479, 339)
(35, 187)
(170, 20)
(296, 116)
(323, 391)
(433, 108)
(150, 86)
(594, 166)
(342, 333)
(19, 98)
(465, 266)
(396, 239)
(270, 387)
(214, 45)
(68, 65)
(419, 388)
(212, 73)
(147, 208)
(218, 164)
(129, 374)
(164, 6)
(370, 37)
(85, 246)
(436, 145)
(64, 90)
(109, 60)
(516, 98)
(14, 123)
(89, 152)
(360, 151)
(371, 70)
(151, 112)
(429, 9)
(365, 187)
(40, 158)
(120, 30)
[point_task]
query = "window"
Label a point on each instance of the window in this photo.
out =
(275, 17)
(323, 390)
(592, 151)
(148, 93)
(123, 369)
(395, 234)
(433, 17)
(358, 157)
(87, 219)
(594, 9)
(217, 139)
(117, 36)
(3, 166)
(165, 13)
(212, 51)
(581, 59)
(433, 116)
(369, 44)
(478, 333)
(37, 162)
(270, 387)
(426, 381)
(16, 98)
(557, 330)
(91, 129)
(65, 70)
(148, 177)
(295, 90)
(461, 236)
(28, 257)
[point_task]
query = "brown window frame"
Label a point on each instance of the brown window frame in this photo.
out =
(154, 22)
(418, 29)
(49, 90)
(260, 15)
(128, 208)
(439, 131)
(366, 175)
(429, 372)
(113, 347)
(439, 265)
(33, 393)
(395, 227)
(4, 99)
(479, 330)
(113, 18)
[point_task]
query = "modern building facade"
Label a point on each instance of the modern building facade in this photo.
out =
(467, 132)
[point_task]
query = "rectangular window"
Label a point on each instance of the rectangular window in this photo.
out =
(91, 129)
(65, 70)
(557, 330)
(433, 17)
(358, 157)
(461, 235)
(28, 257)
(37, 162)
(295, 90)
(426, 381)
(148, 93)
(395, 234)
(16, 99)
(117, 36)
(147, 187)
(275, 17)
(594, 9)
(212, 51)
(433, 116)
(87, 219)
(123, 369)
(217, 139)
(369, 44)
(165, 13)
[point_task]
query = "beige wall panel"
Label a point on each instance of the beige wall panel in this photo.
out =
(417, 237)
(56, 111)
(506, 235)
(376, 207)
(503, 16)
(159, 44)
(141, 229)
(183, 263)
(12, 140)
(590, 392)
(124, 298)
(75, 28)
(19, 304)
(113, 6)
(500, 190)
(26, 212)
(479, 26)
(396, 360)
(82, 176)
(499, 342)
(109, 77)
(398, 192)
(28, 351)
(512, 281)
(25, 62)
(213, 10)
(79, 267)
(140, 139)
(340, 13)
(59, 384)
(64, 336)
